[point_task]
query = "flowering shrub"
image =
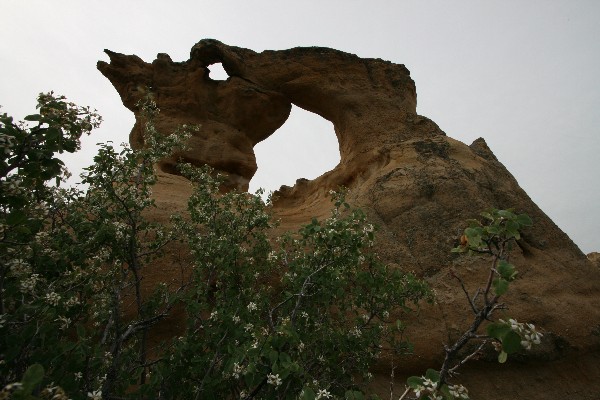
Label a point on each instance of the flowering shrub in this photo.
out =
(303, 316)
(494, 236)
(42, 292)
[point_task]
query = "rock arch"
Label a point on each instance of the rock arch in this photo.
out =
(305, 147)
(414, 182)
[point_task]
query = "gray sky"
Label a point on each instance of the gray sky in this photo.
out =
(522, 74)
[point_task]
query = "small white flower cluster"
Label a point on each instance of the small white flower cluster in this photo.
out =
(28, 285)
(42, 237)
(120, 229)
(54, 393)
(52, 298)
(72, 301)
(323, 394)
(95, 395)
(429, 388)
(64, 322)
(19, 268)
(528, 333)
(458, 391)
(273, 379)
(237, 370)
(272, 256)
(356, 332)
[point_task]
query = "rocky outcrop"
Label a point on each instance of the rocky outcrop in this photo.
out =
(595, 258)
(417, 184)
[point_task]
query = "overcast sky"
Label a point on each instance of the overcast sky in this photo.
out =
(525, 75)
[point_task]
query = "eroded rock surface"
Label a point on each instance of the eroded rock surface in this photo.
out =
(417, 184)
(595, 258)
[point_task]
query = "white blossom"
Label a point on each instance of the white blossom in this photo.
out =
(95, 395)
(323, 394)
(53, 298)
(273, 379)
(29, 284)
(64, 322)
(459, 391)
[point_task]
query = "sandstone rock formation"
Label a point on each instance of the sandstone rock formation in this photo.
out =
(595, 258)
(417, 184)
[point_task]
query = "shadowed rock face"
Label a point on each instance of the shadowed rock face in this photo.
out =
(414, 182)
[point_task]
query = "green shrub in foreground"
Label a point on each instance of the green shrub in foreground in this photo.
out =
(303, 316)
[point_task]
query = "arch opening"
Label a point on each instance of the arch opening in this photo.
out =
(216, 72)
(304, 147)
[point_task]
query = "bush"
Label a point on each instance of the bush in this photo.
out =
(303, 315)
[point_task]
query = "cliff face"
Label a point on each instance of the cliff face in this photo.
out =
(414, 182)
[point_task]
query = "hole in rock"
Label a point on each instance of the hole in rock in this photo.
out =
(304, 147)
(216, 72)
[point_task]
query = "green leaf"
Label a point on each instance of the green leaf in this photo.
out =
(414, 382)
(506, 214)
(284, 358)
(512, 342)
(273, 356)
(487, 215)
(473, 233)
(33, 117)
(524, 220)
(354, 395)
(506, 270)
(497, 330)
(433, 375)
(16, 217)
(493, 229)
(80, 331)
(32, 377)
(512, 227)
(399, 325)
(445, 391)
(308, 394)
(500, 286)
(502, 357)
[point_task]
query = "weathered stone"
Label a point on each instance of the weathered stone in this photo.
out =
(414, 182)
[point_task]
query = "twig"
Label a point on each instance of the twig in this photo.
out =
(392, 380)
(462, 285)
(404, 394)
(452, 371)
